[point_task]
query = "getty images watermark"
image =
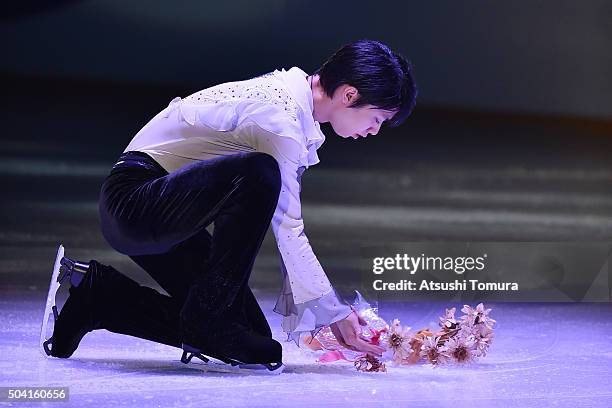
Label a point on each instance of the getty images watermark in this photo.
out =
(413, 264)
(501, 271)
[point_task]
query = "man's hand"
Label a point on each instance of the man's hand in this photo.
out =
(348, 333)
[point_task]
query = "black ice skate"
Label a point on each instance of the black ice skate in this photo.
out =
(75, 321)
(229, 342)
(246, 355)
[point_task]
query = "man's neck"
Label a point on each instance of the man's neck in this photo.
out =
(320, 101)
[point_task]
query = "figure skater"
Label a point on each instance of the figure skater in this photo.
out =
(231, 155)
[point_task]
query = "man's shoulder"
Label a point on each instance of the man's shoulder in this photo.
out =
(268, 91)
(268, 100)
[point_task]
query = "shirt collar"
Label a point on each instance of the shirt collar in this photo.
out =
(295, 78)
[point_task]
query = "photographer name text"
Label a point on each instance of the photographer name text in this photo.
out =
(428, 285)
(413, 264)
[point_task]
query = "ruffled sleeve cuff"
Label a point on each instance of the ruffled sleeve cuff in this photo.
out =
(310, 316)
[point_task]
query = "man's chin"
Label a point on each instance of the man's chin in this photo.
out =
(342, 134)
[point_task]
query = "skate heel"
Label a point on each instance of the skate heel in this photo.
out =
(191, 352)
(72, 271)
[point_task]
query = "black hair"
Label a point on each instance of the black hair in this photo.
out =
(383, 78)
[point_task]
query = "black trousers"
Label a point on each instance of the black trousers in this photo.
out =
(159, 220)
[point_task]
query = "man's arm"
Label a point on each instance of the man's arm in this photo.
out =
(308, 300)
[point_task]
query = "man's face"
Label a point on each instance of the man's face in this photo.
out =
(355, 122)
(359, 122)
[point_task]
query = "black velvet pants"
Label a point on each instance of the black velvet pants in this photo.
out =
(159, 220)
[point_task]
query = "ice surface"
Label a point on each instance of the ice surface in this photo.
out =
(543, 355)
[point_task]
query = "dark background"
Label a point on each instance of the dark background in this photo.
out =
(510, 141)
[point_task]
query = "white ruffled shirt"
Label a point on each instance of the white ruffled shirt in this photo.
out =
(272, 113)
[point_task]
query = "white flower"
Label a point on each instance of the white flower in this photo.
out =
(433, 353)
(398, 341)
(448, 321)
(483, 339)
(476, 316)
(460, 349)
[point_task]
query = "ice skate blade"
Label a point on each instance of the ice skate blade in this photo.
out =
(50, 308)
(227, 364)
(216, 366)
(255, 369)
(269, 369)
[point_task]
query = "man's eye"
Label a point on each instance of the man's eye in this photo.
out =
(377, 121)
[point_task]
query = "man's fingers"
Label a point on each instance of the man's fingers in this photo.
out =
(345, 345)
(338, 335)
(373, 349)
(360, 343)
(350, 336)
(363, 345)
(368, 348)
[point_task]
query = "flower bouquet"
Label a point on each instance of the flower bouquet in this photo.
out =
(458, 341)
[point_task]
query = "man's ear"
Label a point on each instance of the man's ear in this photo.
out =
(350, 94)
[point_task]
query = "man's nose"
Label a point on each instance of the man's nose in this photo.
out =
(374, 130)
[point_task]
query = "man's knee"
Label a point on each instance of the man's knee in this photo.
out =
(266, 168)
